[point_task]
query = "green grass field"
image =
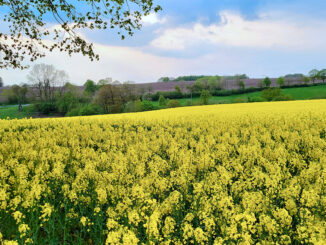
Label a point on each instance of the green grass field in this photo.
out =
(12, 112)
(303, 93)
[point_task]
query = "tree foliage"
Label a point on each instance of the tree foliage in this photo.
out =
(313, 74)
(271, 93)
(241, 85)
(17, 94)
(162, 101)
(30, 33)
(204, 97)
(322, 75)
(267, 82)
(90, 87)
(280, 81)
(113, 96)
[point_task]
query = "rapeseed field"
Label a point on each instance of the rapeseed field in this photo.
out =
(222, 174)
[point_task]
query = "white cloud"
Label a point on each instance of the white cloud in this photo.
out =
(268, 31)
(153, 19)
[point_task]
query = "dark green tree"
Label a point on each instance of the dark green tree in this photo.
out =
(241, 85)
(305, 79)
(162, 101)
(177, 89)
(313, 74)
(20, 93)
(322, 75)
(90, 87)
(280, 81)
(267, 82)
(173, 104)
(271, 93)
(204, 97)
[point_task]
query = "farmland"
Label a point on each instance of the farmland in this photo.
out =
(301, 93)
(11, 112)
(221, 174)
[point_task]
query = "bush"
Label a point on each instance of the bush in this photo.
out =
(129, 107)
(239, 100)
(148, 96)
(256, 99)
(162, 101)
(189, 103)
(46, 107)
(138, 106)
(173, 104)
(271, 93)
(267, 82)
(88, 110)
(147, 106)
(85, 110)
(73, 112)
(283, 98)
(168, 95)
(204, 97)
(66, 102)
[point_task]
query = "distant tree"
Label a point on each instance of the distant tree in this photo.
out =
(241, 76)
(322, 75)
(67, 102)
(177, 89)
(162, 101)
(241, 85)
(214, 83)
(188, 78)
(204, 97)
(260, 84)
(280, 81)
(236, 77)
(20, 93)
(313, 74)
(173, 104)
(305, 79)
(138, 106)
(197, 87)
(104, 81)
(69, 99)
(147, 96)
(109, 98)
(46, 80)
(112, 98)
(149, 88)
(294, 76)
(1, 82)
(267, 82)
(271, 93)
(128, 90)
(166, 79)
(90, 87)
(141, 90)
(147, 105)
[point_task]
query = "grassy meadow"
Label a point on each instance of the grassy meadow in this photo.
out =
(301, 93)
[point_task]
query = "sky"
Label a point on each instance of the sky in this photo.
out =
(204, 37)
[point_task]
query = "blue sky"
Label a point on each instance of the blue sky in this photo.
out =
(256, 37)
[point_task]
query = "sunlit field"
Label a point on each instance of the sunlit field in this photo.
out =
(221, 174)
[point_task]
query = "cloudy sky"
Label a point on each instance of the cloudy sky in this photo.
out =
(189, 37)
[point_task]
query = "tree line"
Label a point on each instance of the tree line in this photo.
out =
(50, 91)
